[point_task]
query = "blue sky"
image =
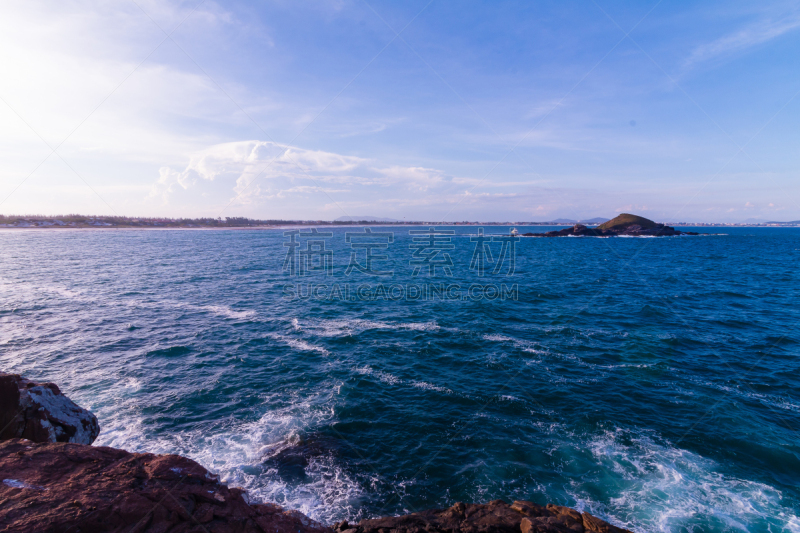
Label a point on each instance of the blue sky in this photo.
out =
(421, 110)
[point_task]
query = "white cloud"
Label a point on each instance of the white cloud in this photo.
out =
(95, 74)
(747, 37)
(417, 178)
(254, 170)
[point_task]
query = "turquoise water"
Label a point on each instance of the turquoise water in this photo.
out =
(653, 382)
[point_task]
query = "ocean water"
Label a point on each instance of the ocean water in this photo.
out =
(653, 382)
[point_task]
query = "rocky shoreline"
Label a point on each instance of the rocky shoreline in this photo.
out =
(54, 481)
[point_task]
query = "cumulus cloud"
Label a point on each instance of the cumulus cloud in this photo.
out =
(258, 173)
(259, 170)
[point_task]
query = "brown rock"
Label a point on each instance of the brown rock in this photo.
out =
(530, 508)
(567, 514)
(40, 413)
(592, 523)
(60, 487)
(494, 517)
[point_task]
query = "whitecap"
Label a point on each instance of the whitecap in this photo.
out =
(498, 338)
(665, 488)
(430, 386)
(298, 344)
(525, 346)
(385, 377)
(223, 310)
(27, 289)
(350, 327)
(133, 384)
(303, 345)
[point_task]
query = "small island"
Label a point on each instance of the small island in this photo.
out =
(622, 225)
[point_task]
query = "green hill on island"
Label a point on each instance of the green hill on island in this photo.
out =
(625, 225)
(624, 220)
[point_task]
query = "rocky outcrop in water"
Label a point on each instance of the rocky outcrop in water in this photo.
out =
(40, 413)
(494, 517)
(60, 487)
(624, 224)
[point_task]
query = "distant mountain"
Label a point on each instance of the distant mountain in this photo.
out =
(762, 221)
(365, 218)
(595, 220)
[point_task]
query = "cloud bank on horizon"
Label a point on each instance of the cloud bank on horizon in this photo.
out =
(424, 110)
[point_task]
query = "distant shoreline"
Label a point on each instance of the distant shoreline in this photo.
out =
(301, 225)
(76, 221)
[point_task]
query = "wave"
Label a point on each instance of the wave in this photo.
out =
(298, 344)
(243, 454)
(430, 386)
(223, 310)
(352, 327)
(382, 376)
(525, 346)
(774, 400)
(661, 487)
(215, 309)
(391, 379)
(27, 289)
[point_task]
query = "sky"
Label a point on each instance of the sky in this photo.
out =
(419, 110)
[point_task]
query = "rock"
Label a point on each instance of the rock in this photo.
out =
(40, 413)
(592, 523)
(494, 517)
(60, 487)
(624, 224)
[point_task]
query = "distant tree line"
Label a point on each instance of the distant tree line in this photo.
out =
(231, 222)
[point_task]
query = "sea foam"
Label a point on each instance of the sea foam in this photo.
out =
(661, 487)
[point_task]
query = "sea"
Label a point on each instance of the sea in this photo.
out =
(354, 372)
